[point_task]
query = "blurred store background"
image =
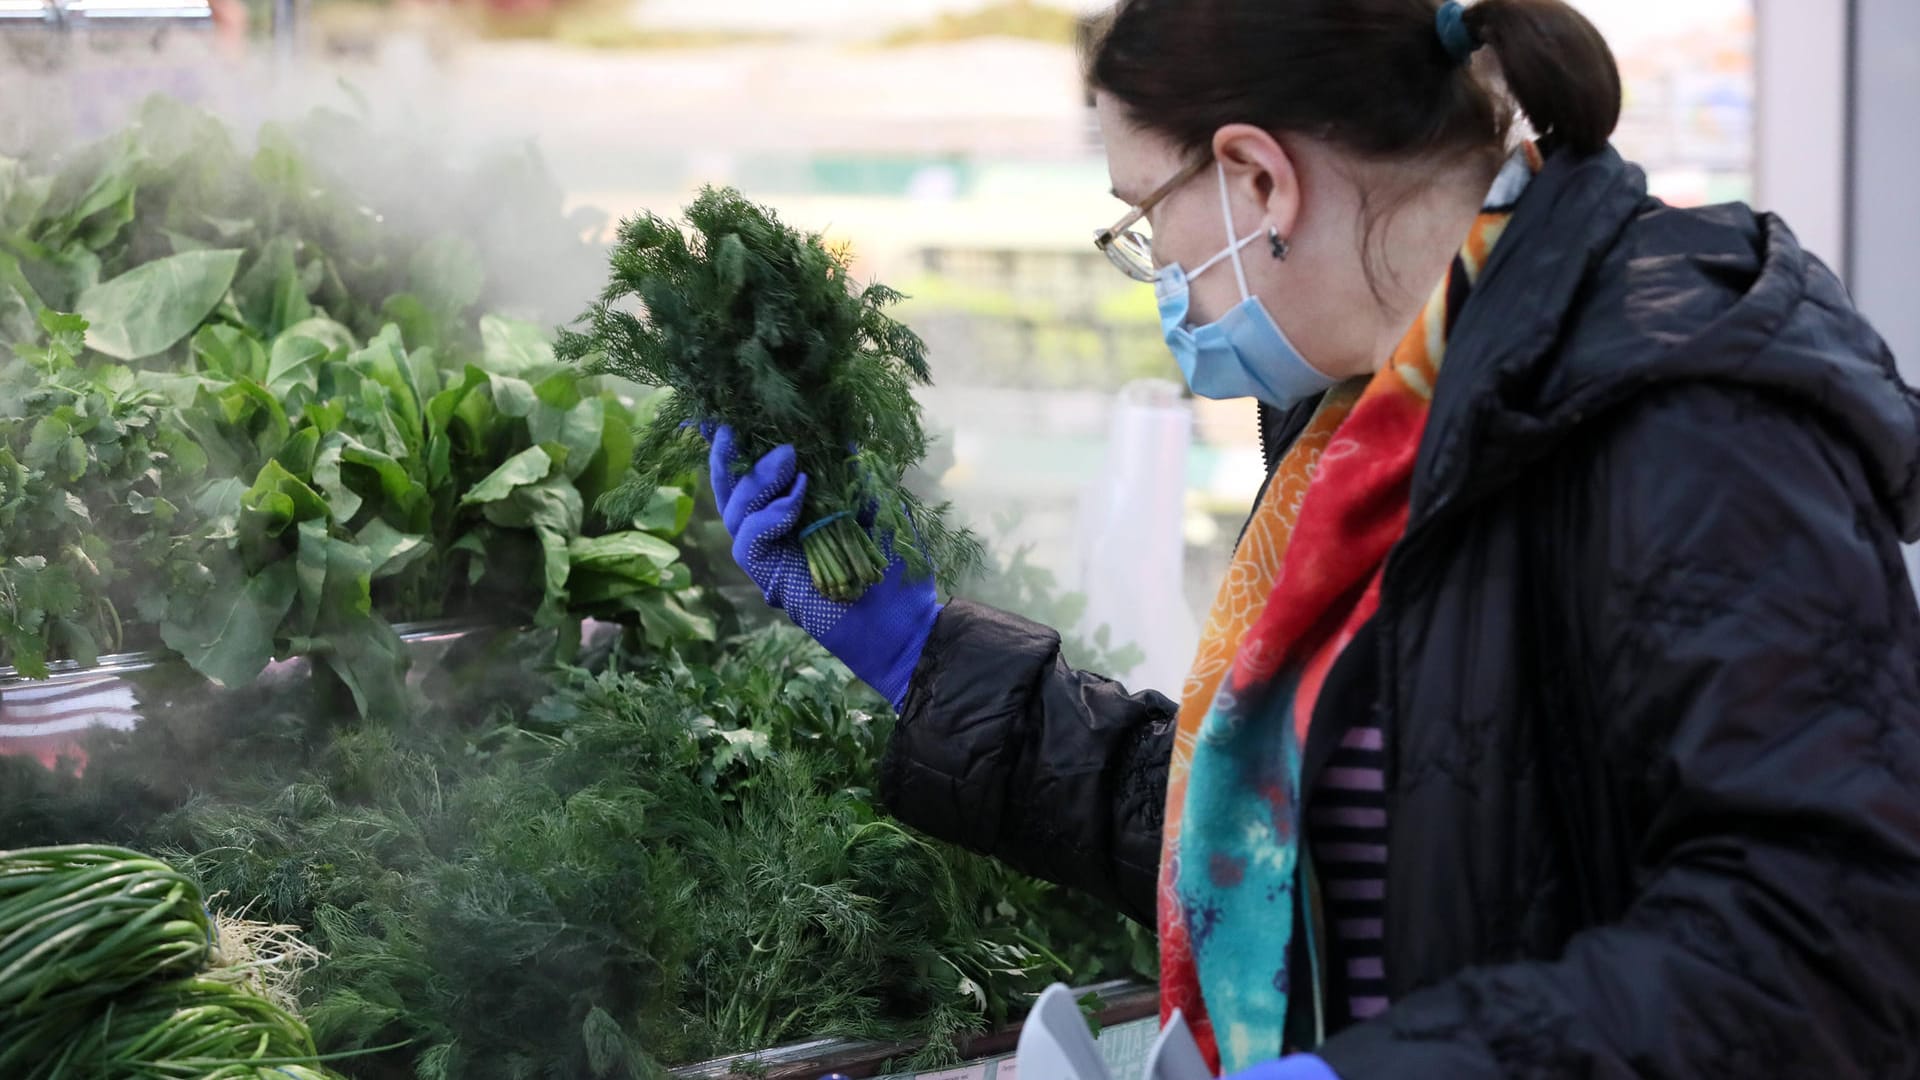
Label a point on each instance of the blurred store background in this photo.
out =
(950, 143)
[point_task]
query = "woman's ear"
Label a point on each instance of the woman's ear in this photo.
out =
(1260, 171)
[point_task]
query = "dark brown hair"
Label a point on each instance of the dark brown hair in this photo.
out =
(1371, 76)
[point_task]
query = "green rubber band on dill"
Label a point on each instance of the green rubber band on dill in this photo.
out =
(823, 523)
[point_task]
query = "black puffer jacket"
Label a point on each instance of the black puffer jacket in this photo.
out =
(1649, 660)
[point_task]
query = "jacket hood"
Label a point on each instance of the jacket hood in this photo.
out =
(1597, 293)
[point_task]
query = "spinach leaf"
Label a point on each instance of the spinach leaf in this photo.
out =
(155, 305)
(227, 632)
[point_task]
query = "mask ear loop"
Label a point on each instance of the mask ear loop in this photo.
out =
(1233, 244)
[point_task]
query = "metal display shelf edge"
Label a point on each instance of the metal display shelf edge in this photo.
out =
(147, 660)
(1122, 1001)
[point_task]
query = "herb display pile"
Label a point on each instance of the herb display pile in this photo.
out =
(241, 418)
(755, 324)
(586, 874)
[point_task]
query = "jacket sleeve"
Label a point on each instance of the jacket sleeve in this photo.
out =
(1004, 749)
(1747, 633)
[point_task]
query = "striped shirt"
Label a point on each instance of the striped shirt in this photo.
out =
(1347, 827)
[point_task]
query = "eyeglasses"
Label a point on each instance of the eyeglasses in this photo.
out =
(1129, 249)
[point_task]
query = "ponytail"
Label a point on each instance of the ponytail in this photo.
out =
(1557, 68)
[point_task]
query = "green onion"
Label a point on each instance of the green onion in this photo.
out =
(79, 924)
(100, 950)
(197, 1027)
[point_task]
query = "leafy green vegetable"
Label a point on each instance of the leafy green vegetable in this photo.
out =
(529, 466)
(318, 433)
(153, 306)
(227, 632)
(754, 324)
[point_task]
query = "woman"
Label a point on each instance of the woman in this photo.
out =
(1557, 717)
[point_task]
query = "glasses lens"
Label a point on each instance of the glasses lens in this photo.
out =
(1133, 254)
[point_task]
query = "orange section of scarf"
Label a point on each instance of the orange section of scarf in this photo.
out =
(1334, 507)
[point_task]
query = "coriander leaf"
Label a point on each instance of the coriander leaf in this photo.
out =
(67, 332)
(149, 308)
(54, 448)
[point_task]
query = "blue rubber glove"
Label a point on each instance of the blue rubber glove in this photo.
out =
(881, 635)
(1292, 1067)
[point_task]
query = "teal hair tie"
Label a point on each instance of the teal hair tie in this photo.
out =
(823, 523)
(1455, 35)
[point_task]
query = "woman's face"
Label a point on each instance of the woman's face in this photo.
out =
(1306, 192)
(1188, 226)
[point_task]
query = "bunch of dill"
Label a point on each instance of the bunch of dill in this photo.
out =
(755, 324)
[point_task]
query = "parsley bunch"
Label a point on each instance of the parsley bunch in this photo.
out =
(757, 325)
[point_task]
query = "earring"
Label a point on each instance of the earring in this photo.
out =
(1280, 247)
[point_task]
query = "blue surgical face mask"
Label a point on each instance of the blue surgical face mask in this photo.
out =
(1243, 353)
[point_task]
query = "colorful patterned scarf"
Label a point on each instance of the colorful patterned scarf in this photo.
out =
(1305, 578)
